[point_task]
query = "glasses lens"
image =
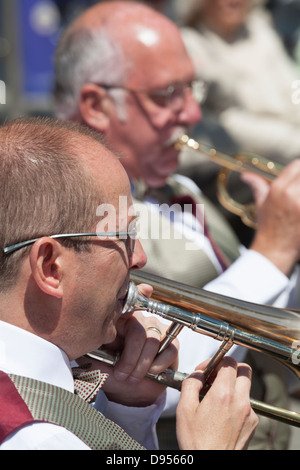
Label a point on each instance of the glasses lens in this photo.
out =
(177, 97)
(174, 96)
(199, 90)
(161, 98)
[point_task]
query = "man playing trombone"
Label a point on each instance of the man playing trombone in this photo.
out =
(63, 289)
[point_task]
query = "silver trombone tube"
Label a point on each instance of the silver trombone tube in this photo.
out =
(173, 379)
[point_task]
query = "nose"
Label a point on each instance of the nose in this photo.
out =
(139, 258)
(190, 114)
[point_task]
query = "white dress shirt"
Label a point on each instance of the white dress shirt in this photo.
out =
(23, 353)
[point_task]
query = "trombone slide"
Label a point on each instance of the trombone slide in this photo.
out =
(173, 379)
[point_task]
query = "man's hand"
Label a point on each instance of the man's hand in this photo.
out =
(278, 233)
(224, 419)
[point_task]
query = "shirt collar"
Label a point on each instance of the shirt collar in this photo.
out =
(23, 353)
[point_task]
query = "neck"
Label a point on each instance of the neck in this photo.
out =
(10, 309)
(21, 308)
(226, 32)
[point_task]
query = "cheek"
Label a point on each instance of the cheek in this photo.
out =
(150, 120)
(93, 317)
(108, 331)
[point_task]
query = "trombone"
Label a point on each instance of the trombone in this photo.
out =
(269, 330)
(243, 162)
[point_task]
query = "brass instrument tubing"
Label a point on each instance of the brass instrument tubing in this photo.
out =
(172, 332)
(203, 324)
(256, 164)
(260, 325)
(174, 379)
(242, 162)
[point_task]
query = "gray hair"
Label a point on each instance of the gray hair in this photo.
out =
(85, 56)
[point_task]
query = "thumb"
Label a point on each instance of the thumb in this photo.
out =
(145, 289)
(260, 187)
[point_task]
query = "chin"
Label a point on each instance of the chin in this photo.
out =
(156, 184)
(158, 181)
(110, 335)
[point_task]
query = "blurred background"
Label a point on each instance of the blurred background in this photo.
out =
(29, 31)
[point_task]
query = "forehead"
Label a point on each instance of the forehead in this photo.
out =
(158, 55)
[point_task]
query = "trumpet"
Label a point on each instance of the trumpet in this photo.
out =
(269, 330)
(242, 162)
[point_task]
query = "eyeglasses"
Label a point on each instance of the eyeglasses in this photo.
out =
(128, 237)
(172, 96)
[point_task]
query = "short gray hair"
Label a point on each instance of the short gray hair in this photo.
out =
(85, 56)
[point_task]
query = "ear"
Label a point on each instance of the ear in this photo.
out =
(93, 106)
(46, 266)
